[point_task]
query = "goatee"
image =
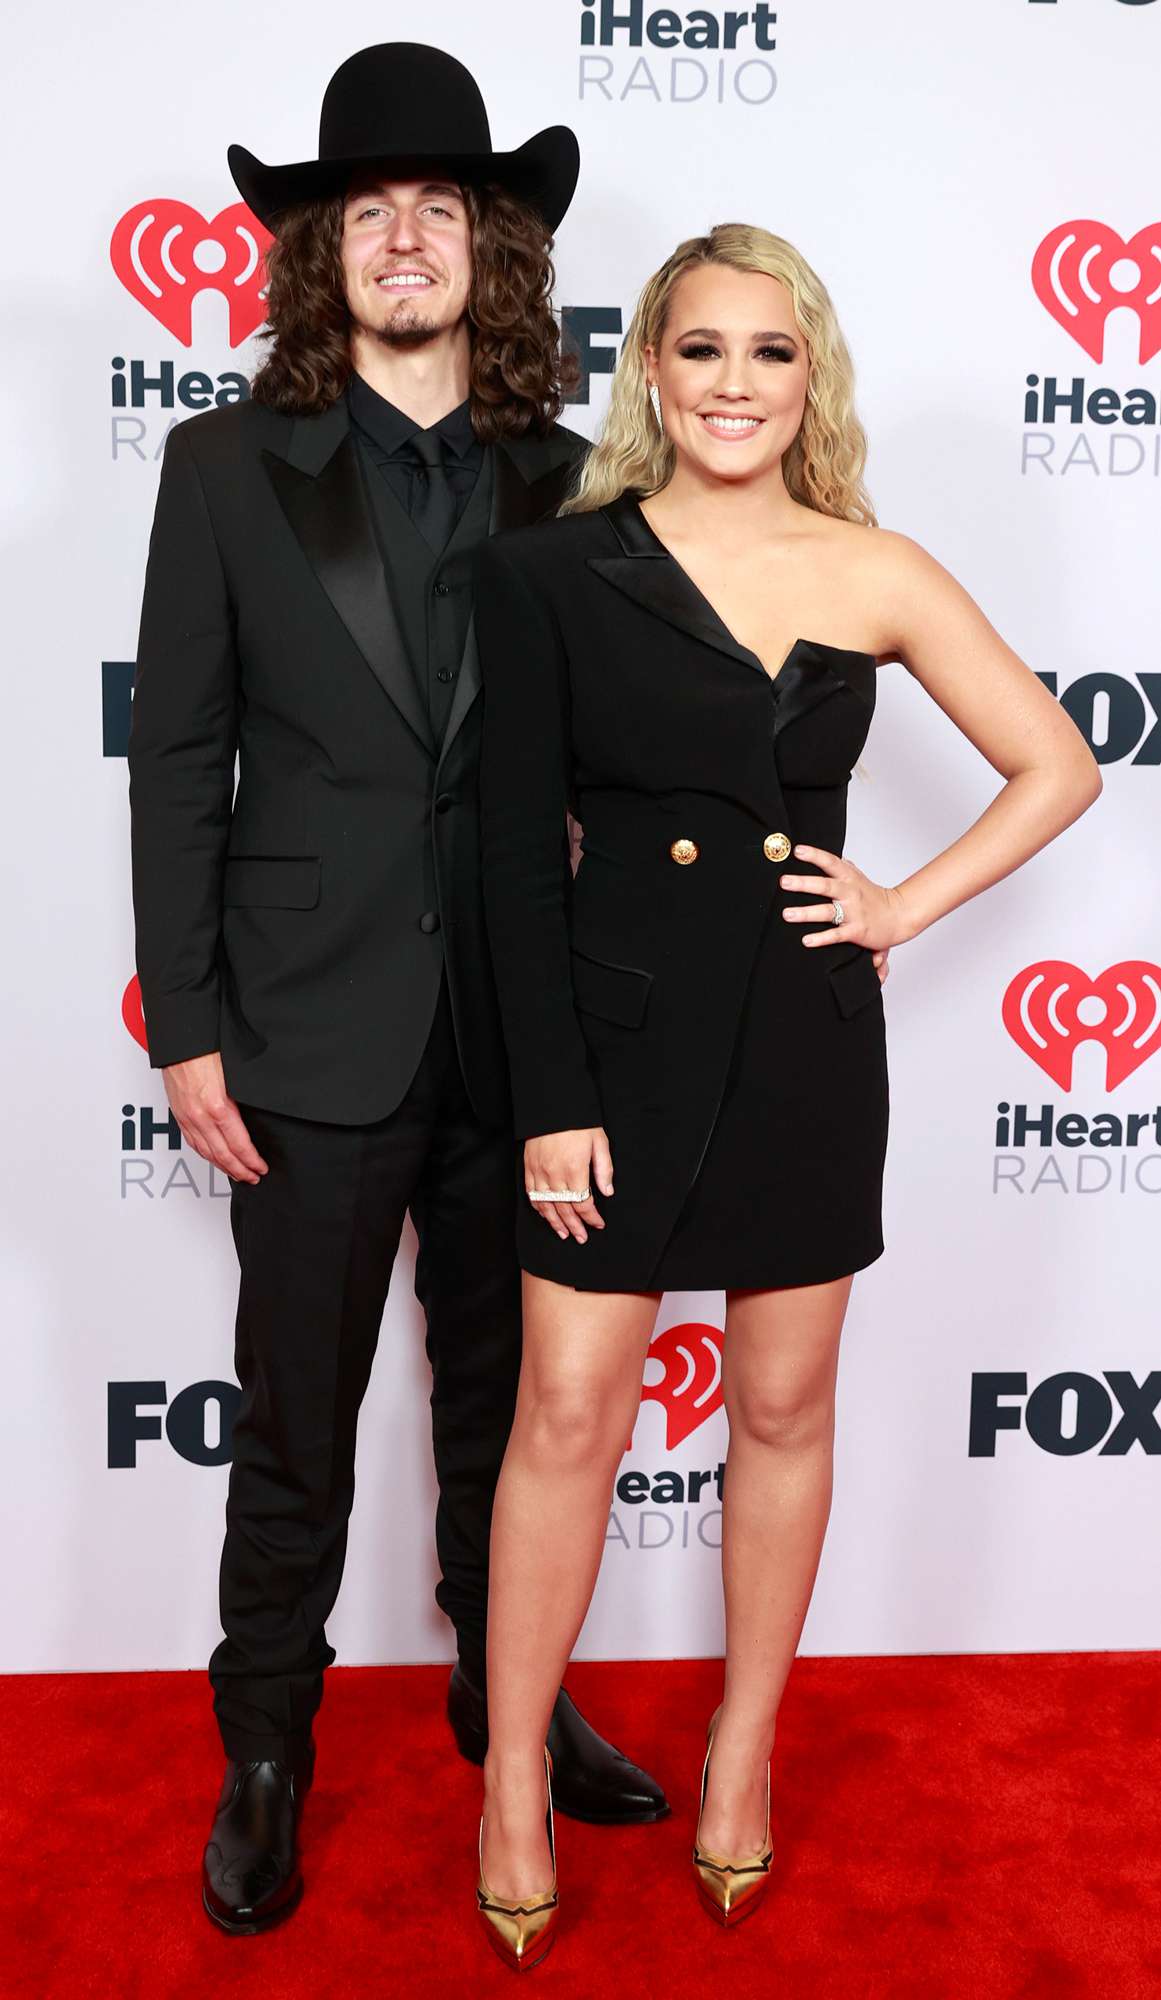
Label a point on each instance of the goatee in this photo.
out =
(407, 330)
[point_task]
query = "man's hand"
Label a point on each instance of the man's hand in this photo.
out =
(209, 1118)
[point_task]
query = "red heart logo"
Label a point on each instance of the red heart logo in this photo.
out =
(165, 253)
(691, 1388)
(1083, 269)
(132, 1012)
(1042, 1006)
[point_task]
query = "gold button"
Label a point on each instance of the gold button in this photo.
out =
(684, 851)
(775, 847)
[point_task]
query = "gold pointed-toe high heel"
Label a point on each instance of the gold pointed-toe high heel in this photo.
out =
(522, 1933)
(730, 1887)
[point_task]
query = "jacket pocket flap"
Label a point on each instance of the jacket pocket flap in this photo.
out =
(616, 992)
(853, 981)
(272, 882)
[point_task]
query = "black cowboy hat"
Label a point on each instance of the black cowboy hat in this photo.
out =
(417, 109)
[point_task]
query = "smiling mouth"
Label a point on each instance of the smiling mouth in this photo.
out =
(731, 428)
(404, 281)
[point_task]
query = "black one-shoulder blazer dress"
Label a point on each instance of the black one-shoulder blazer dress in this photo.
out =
(741, 1077)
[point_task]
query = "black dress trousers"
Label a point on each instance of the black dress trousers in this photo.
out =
(316, 1240)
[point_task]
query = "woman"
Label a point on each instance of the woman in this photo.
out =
(698, 1020)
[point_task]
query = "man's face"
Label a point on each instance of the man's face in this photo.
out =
(407, 262)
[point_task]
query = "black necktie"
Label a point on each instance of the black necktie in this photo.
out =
(434, 504)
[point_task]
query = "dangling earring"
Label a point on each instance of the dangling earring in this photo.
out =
(655, 399)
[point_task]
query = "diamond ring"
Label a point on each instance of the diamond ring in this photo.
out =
(559, 1194)
(840, 915)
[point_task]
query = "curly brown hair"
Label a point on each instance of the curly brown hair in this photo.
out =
(519, 375)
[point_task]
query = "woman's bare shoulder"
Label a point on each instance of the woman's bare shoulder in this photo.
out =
(881, 575)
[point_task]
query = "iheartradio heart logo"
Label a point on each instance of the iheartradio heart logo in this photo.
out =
(1051, 1007)
(165, 253)
(691, 1388)
(1082, 270)
(132, 1012)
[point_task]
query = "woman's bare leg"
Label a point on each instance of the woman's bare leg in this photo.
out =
(580, 1386)
(780, 1359)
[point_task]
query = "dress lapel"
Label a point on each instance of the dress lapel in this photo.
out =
(647, 573)
(319, 486)
(803, 680)
(653, 578)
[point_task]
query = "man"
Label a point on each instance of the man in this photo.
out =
(312, 951)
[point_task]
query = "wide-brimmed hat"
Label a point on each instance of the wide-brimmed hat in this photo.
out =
(413, 108)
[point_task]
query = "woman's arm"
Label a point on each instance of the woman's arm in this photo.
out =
(524, 787)
(945, 641)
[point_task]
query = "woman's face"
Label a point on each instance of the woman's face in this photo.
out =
(732, 370)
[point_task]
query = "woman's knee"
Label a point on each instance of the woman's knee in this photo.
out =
(573, 1422)
(785, 1414)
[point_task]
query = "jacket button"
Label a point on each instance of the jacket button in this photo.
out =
(444, 803)
(684, 851)
(429, 922)
(445, 674)
(775, 847)
(441, 589)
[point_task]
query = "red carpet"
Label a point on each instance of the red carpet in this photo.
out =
(943, 1827)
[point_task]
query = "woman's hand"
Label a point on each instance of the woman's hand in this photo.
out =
(872, 916)
(572, 1161)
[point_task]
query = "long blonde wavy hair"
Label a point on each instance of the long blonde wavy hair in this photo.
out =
(822, 468)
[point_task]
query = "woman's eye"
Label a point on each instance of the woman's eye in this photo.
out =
(705, 349)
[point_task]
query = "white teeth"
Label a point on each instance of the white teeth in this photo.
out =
(732, 423)
(404, 283)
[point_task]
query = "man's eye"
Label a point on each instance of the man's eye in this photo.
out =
(437, 210)
(365, 212)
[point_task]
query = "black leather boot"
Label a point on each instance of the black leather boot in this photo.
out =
(590, 1779)
(250, 1874)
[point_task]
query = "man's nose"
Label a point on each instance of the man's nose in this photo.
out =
(404, 232)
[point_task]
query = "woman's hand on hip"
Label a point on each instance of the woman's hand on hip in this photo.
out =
(568, 1163)
(871, 915)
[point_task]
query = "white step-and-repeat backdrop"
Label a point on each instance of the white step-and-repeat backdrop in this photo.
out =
(978, 186)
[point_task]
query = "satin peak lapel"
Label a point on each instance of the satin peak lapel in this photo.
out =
(517, 501)
(808, 677)
(329, 515)
(522, 492)
(653, 578)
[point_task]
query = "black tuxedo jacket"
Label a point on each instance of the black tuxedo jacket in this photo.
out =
(289, 924)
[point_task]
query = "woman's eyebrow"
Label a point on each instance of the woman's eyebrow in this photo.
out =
(712, 333)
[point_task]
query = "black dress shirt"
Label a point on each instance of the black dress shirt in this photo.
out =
(383, 433)
(430, 588)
